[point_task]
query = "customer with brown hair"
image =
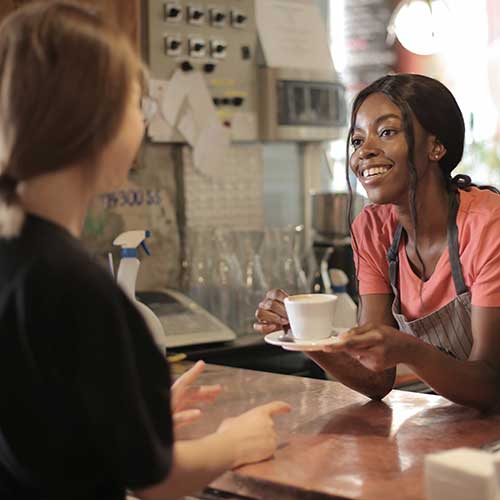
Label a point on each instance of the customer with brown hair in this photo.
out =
(85, 393)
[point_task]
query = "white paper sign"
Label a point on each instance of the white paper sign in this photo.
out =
(293, 35)
(159, 130)
(186, 108)
(173, 97)
(211, 148)
(200, 100)
(187, 127)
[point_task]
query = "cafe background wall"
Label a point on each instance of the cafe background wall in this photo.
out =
(150, 199)
(284, 175)
(124, 12)
(469, 64)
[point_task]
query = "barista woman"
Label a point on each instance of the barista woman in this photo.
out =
(85, 393)
(427, 252)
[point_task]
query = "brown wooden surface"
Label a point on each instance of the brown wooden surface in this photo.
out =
(336, 443)
(126, 13)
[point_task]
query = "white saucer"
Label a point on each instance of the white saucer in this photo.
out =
(304, 345)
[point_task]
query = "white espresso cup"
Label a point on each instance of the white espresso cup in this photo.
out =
(311, 315)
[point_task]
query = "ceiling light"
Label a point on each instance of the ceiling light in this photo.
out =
(421, 26)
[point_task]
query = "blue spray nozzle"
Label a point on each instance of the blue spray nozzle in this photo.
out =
(128, 253)
(143, 245)
(130, 240)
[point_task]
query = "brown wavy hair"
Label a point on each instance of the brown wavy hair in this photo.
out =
(66, 75)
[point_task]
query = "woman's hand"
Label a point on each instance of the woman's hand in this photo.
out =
(252, 435)
(271, 314)
(377, 347)
(183, 395)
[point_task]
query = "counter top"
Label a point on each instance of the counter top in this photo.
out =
(336, 443)
(250, 351)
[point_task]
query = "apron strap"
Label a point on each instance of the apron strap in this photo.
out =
(393, 259)
(453, 251)
(453, 247)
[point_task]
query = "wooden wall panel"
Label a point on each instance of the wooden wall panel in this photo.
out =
(126, 13)
(6, 6)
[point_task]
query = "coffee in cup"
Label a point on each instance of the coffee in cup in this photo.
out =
(311, 315)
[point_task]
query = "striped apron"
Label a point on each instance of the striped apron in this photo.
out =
(449, 328)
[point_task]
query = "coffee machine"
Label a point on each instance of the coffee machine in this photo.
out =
(331, 237)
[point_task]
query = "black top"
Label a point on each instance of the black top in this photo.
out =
(84, 391)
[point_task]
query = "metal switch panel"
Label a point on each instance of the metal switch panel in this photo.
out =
(217, 17)
(172, 12)
(196, 15)
(173, 45)
(238, 19)
(197, 47)
(215, 38)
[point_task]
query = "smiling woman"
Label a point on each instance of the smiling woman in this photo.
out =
(427, 251)
(406, 137)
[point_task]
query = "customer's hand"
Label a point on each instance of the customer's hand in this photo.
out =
(252, 434)
(271, 314)
(183, 396)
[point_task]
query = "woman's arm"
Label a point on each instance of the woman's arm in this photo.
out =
(195, 464)
(271, 316)
(248, 438)
(474, 382)
(347, 369)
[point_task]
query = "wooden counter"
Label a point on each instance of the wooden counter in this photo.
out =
(336, 443)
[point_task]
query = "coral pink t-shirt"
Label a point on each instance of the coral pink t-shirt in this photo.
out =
(478, 222)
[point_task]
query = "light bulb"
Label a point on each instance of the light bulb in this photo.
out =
(421, 26)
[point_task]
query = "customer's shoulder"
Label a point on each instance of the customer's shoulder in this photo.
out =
(78, 270)
(72, 273)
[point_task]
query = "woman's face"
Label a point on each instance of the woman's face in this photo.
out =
(379, 156)
(116, 160)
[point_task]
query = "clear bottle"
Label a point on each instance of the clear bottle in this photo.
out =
(285, 264)
(198, 266)
(255, 284)
(346, 310)
(226, 283)
(299, 257)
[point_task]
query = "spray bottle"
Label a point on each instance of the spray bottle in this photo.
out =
(127, 278)
(346, 311)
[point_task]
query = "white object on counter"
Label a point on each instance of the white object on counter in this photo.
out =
(127, 278)
(346, 310)
(460, 474)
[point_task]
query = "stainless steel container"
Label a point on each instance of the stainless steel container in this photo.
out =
(330, 212)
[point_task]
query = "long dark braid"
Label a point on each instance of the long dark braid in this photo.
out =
(412, 188)
(463, 181)
(350, 216)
